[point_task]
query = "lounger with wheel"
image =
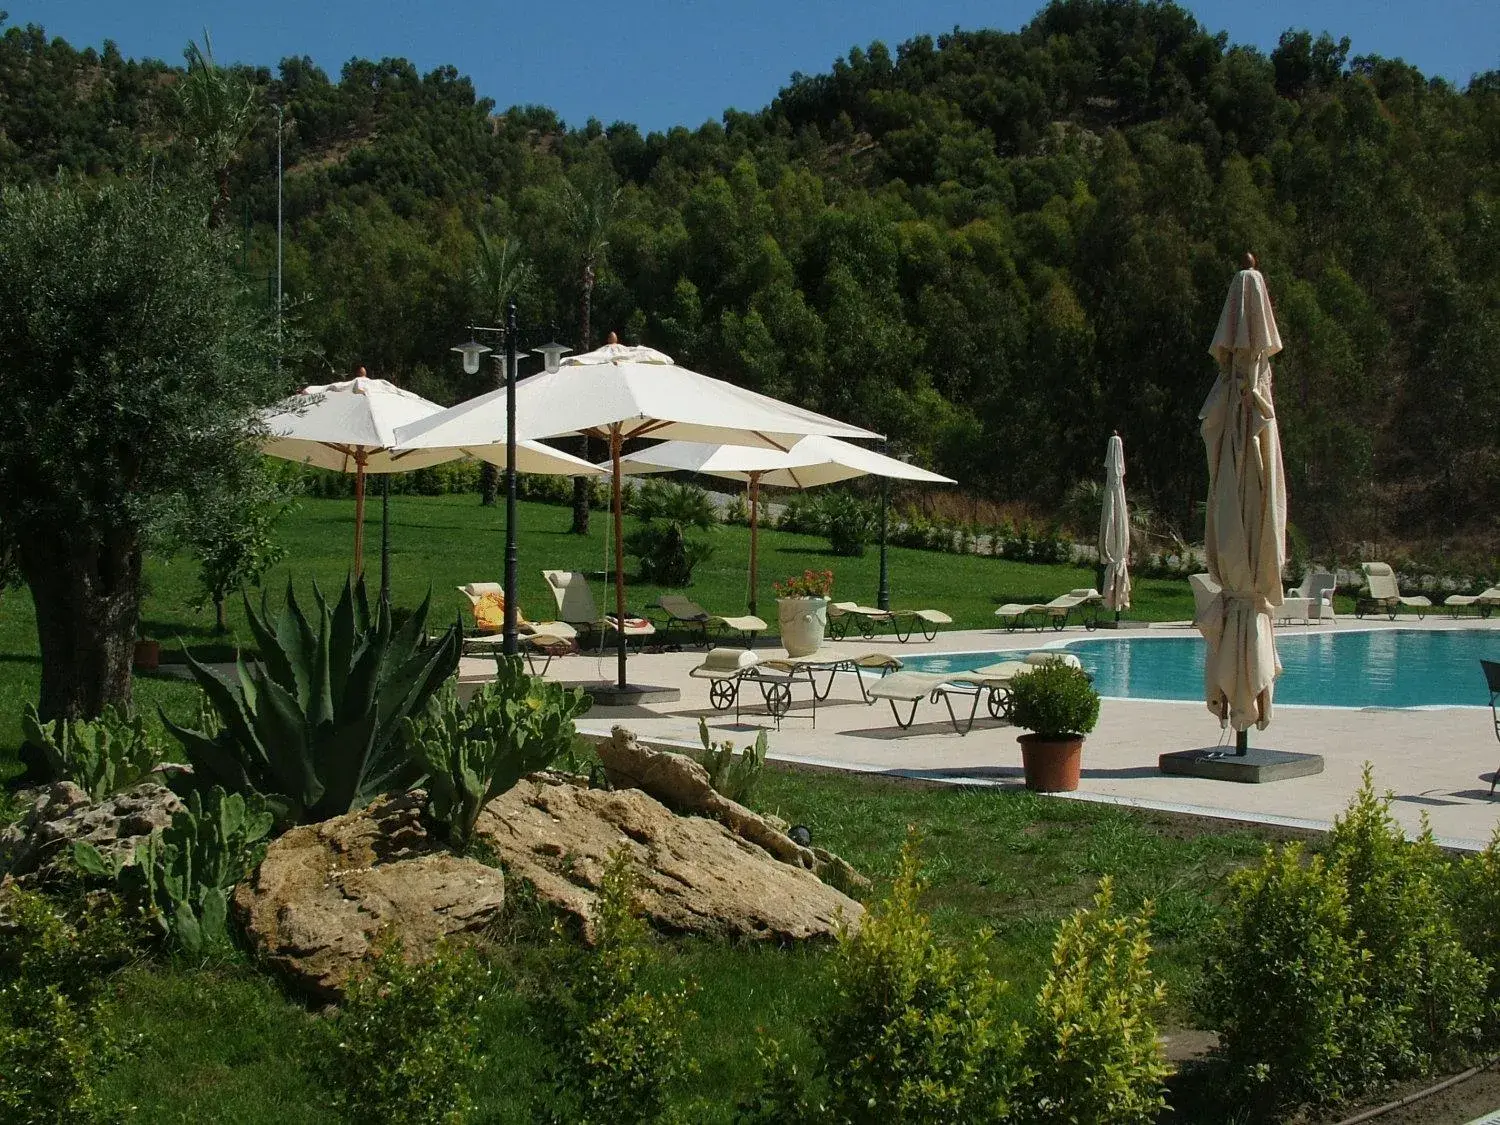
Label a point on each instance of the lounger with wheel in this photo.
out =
(1482, 604)
(575, 606)
(990, 683)
(684, 611)
(843, 616)
(1057, 612)
(726, 669)
(1385, 596)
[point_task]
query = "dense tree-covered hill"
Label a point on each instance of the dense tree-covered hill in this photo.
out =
(996, 247)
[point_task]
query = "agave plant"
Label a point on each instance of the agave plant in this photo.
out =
(314, 726)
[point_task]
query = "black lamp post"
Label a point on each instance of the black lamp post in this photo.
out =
(472, 353)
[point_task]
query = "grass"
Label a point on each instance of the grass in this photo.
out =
(224, 1042)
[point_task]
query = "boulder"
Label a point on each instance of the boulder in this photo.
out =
(683, 785)
(326, 892)
(60, 813)
(694, 874)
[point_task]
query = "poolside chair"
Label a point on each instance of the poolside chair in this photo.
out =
(575, 606)
(842, 616)
(990, 683)
(1385, 596)
(547, 639)
(685, 611)
(1318, 588)
(1483, 604)
(1492, 681)
(1015, 615)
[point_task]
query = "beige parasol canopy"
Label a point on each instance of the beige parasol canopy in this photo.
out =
(1114, 529)
(1245, 530)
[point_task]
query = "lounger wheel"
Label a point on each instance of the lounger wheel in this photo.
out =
(778, 698)
(721, 694)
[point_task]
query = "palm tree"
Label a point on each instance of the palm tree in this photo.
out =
(218, 113)
(497, 274)
(589, 211)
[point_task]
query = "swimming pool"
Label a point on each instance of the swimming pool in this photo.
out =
(1364, 668)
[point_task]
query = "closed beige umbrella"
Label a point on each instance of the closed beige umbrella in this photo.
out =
(1245, 530)
(1114, 530)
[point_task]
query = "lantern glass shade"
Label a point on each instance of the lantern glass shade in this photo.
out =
(472, 351)
(551, 354)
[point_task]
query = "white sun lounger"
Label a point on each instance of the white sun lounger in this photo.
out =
(1483, 604)
(545, 638)
(842, 616)
(1017, 615)
(992, 683)
(1385, 596)
(575, 606)
(688, 612)
(727, 669)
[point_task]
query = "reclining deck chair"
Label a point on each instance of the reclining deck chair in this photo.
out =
(1483, 604)
(1385, 596)
(990, 683)
(575, 606)
(685, 611)
(545, 638)
(842, 616)
(1015, 615)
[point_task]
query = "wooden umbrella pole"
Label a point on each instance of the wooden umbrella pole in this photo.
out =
(614, 460)
(359, 514)
(754, 520)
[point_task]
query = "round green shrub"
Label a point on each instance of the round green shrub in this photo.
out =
(1056, 700)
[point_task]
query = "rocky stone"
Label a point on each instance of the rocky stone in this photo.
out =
(326, 892)
(683, 785)
(60, 813)
(695, 875)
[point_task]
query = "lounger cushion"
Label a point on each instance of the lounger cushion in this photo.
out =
(1016, 609)
(908, 687)
(746, 624)
(719, 663)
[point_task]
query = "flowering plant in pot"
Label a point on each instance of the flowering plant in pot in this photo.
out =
(802, 610)
(1057, 703)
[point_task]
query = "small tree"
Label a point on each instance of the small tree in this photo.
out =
(133, 360)
(233, 540)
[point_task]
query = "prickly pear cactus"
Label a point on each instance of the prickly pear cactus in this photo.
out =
(100, 755)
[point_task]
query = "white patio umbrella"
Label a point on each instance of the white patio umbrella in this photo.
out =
(813, 461)
(350, 427)
(1114, 530)
(1245, 532)
(616, 393)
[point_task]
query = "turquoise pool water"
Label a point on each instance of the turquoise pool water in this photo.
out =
(1377, 668)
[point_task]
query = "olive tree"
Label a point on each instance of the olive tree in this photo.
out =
(132, 359)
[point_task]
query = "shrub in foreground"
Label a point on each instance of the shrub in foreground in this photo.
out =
(734, 776)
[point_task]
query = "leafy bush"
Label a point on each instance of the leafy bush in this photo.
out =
(734, 777)
(668, 512)
(848, 522)
(737, 511)
(407, 1047)
(100, 755)
(1092, 1050)
(513, 726)
(315, 726)
(53, 1041)
(801, 515)
(184, 874)
(1475, 895)
(618, 1045)
(1055, 700)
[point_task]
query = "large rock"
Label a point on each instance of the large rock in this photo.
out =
(695, 875)
(683, 785)
(34, 846)
(326, 892)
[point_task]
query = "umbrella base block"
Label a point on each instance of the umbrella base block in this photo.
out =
(1254, 767)
(1125, 623)
(611, 694)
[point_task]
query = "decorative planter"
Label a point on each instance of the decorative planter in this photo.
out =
(1051, 765)
(804, 621)
(147, 655)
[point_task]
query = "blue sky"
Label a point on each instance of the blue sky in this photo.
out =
(682, 62)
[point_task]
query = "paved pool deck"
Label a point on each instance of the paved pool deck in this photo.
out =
(1437, 761)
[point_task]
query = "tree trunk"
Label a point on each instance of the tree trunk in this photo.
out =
(221, 624)
(88, 601)
(581, 485)
(489, 484)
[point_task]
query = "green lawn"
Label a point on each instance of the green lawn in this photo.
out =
(441, 542)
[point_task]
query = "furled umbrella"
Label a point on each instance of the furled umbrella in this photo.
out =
(618, 393)
(350, 427)
(1245, 529)
(812, 462)
(1114, 530)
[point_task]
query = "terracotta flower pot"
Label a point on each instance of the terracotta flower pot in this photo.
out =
(1051, 765)
(147, 655)
(803, 622)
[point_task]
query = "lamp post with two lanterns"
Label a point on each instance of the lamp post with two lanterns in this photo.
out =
(473, 352)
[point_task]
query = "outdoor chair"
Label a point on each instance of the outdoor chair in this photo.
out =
(1317, 587)
(990, 683)
(680, 610)
(1057, 612)
(1385, 596)
(534, 638)
(575, 606)
(842, 616)
(1492, 681)
(1483, 604)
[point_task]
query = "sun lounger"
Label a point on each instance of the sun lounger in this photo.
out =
(842, 616)
(575, 606)
(990, 683)
(1385, 596)
(547, 639)
(1483, 604)
(727, 669)
(685, 611)
(1016, 615)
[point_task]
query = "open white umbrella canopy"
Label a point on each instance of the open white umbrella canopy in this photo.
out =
(617, 393)
(1114, 529)
(1245, 529)
(812, 462)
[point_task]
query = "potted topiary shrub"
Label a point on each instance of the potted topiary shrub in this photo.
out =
(1057, 703)
(802, 610)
